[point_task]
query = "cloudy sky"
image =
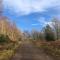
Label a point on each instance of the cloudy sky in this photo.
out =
(31, 14)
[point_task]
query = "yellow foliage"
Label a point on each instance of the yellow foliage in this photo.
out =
(10, 29)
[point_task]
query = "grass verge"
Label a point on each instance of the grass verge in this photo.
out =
(8, 50)
(50, 48)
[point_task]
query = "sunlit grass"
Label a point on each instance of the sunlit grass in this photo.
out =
(6, 54)
(8, 51)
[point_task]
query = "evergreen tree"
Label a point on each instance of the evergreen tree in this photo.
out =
(49, 34)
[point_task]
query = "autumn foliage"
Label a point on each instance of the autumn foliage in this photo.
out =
(9, 29)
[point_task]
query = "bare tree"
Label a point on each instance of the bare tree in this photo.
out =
(10, 29)
(1, 7)
(56, 26)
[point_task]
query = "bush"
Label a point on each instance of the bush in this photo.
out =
(4, 38)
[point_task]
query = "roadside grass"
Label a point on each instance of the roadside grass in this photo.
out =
(51, 48)
(6, 54)
(8, 50)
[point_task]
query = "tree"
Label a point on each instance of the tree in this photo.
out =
(35, 35)
(1, 7)
(10, 29)
(56, 26)
(49, 34)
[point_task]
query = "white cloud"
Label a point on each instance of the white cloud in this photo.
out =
(29, 6)
(43, 22)
(35, 24)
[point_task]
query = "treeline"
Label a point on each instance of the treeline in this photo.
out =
(8, 31)
(50, 32)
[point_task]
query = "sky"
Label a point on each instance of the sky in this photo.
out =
(31, 14)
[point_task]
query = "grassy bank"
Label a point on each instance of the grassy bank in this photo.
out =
(50, 48)
(6, 54)
(8, 50)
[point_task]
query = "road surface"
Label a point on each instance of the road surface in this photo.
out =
(28, 51)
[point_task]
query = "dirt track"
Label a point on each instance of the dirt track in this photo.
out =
(27, 51)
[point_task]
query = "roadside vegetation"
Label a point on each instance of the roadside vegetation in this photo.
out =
(10, 38)
(47, 39)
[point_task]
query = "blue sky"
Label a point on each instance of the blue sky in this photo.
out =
(31, 14)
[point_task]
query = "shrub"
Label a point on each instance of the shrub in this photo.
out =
(4, 38)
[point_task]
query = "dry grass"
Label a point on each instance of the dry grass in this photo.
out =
(8, 50)
(6, 54)
(52, 48)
